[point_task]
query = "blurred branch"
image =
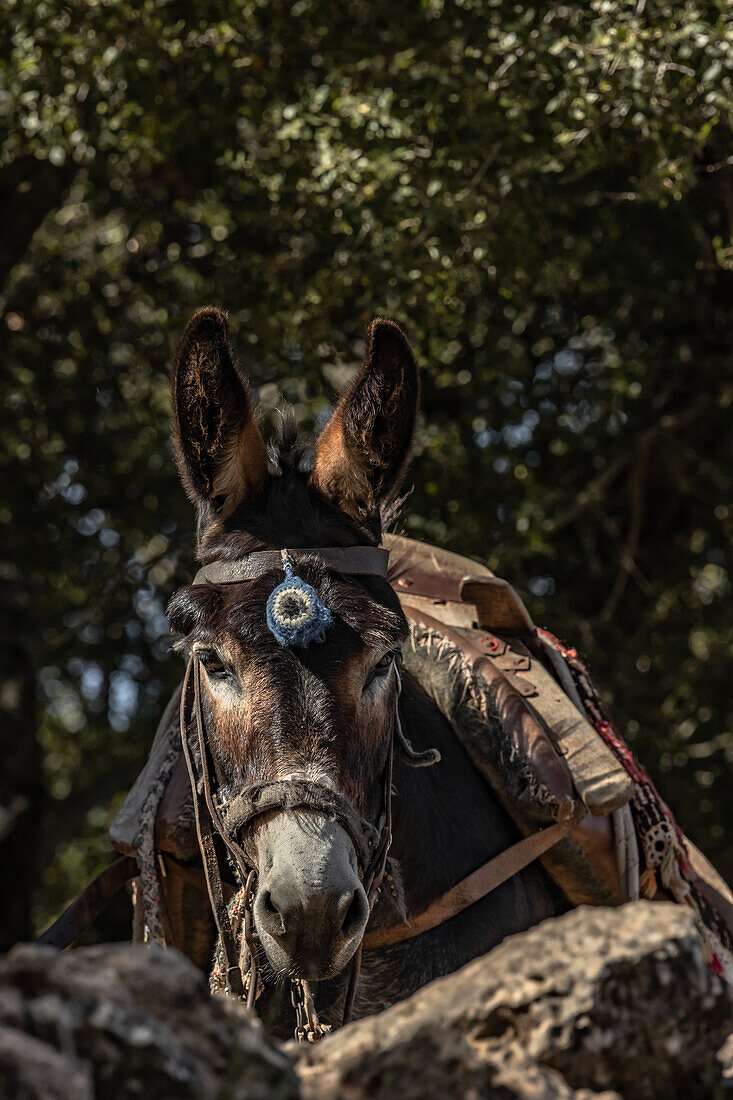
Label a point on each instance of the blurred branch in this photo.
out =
(464, 194)
(628, 567)
(595, 490)
(591, 494)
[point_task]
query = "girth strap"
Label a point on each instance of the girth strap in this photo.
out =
(77, 917)
(472, 888)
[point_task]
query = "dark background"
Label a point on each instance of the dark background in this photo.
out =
(542, 197)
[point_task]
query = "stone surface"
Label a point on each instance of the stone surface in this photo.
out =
(599, 1004)
(599, 999)
(120, 1021)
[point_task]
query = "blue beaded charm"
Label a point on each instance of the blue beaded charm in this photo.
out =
(296, 615)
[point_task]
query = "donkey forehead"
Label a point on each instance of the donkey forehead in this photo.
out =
(366, 614)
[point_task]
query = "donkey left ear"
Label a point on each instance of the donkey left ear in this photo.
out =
(221, 456)
(362, 453)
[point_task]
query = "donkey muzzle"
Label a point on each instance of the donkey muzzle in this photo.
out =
(310, 909)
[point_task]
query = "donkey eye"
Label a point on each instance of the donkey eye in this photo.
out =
(382, 667)
(215, 668)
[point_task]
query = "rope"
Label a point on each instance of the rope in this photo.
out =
(148, 893)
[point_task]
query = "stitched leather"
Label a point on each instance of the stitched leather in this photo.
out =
(350, 560)
(589, 875)
(529, 738)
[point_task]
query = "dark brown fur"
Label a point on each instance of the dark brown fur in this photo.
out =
(297, 709)
(219, 450)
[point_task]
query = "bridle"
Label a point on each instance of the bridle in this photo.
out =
(229, 819)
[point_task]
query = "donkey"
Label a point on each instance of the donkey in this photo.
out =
(325, 713)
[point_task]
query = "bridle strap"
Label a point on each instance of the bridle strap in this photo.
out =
(205, 830)
(353, 561)
(238, 855)
(371, 843)
(294, 794)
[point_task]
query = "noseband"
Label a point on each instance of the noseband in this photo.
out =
(230, 819)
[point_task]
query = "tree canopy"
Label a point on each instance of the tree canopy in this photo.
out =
(541, 195)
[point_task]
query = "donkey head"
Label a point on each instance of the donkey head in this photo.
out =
(275, 711)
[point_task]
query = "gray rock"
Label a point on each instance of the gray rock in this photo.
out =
(595, 1005)
(598, 999)
(121, 1021)
(30, 1068)
(444, 1064)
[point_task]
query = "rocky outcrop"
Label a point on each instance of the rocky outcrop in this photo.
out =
(121, 1021)
(600, 999)
(598, 1003)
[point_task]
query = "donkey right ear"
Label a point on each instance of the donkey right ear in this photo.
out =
(363, 450)
(221, 456)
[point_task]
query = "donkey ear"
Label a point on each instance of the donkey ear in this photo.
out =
(220, 453)
(364, 448)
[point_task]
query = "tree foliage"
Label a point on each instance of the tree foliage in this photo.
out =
(542, 197)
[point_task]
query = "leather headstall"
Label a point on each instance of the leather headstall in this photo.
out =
(353, 561)
(371, 842)
(229, 819)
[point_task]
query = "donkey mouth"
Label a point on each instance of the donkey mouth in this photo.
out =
(314, 958)
(310, 971)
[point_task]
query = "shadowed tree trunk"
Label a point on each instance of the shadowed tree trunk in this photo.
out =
(20, 775)
(30, 190)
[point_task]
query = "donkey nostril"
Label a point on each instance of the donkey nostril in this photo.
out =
(269, 909)
(354, 915)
